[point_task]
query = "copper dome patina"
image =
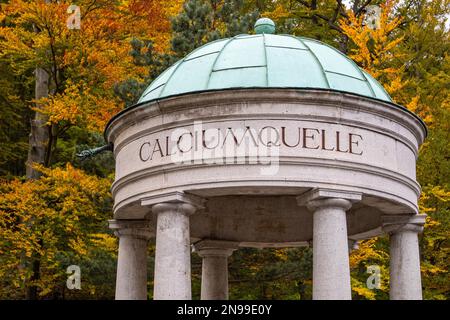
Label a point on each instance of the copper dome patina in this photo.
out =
(264, 60)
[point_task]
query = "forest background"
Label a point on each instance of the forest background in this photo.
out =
(59, 86)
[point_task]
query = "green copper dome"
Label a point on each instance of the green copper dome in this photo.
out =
(264, 25)
(264, 61)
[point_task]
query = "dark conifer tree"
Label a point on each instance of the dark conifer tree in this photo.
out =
(199, 22)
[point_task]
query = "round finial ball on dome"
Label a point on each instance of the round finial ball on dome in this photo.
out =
(264, 25)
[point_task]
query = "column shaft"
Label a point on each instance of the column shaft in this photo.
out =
(331, 271)
(214, 278)
(405, 279)
(173, 253)
(131, 282)
(131, 278)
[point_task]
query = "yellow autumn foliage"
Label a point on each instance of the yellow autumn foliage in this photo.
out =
(53, 219)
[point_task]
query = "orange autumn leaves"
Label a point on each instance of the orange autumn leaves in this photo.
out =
(85, 64)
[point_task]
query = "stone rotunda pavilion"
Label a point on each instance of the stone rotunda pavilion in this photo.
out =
(263, 140)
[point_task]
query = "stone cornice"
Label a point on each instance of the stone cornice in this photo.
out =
(387, 110)
(294, 161)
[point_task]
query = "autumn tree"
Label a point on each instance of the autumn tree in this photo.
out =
(69, 210)
(198, 22)
(88, 74)
(408, 54)
(71, 73)
(14, 119)
(202, 21)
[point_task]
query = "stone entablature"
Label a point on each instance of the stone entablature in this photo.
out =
(336, 140)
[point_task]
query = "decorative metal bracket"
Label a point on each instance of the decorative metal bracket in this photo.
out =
(89, 153)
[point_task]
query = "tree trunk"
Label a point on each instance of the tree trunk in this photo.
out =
(314, 8)
(39, 134)
(343, 44)
(37, 153)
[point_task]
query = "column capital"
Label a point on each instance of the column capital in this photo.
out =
(315, 197)
(399, 223)
(321, 197)
(175, 197)
(178, 207)
(139, 229)
(215, 247)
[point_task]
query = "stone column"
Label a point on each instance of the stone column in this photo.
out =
(173, 251)
(405, 278)
(331, 269)
(215, 268)
(131, 281)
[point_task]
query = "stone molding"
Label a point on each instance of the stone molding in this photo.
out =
(178, 207)
(321, 197)
(227, 97)
(218, 248)
(138, 229)
(400, 223)
(174, 198)
(316, 118)
(379, 172)
(401, 178)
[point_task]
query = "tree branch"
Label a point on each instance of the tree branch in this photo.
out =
(360, 10)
